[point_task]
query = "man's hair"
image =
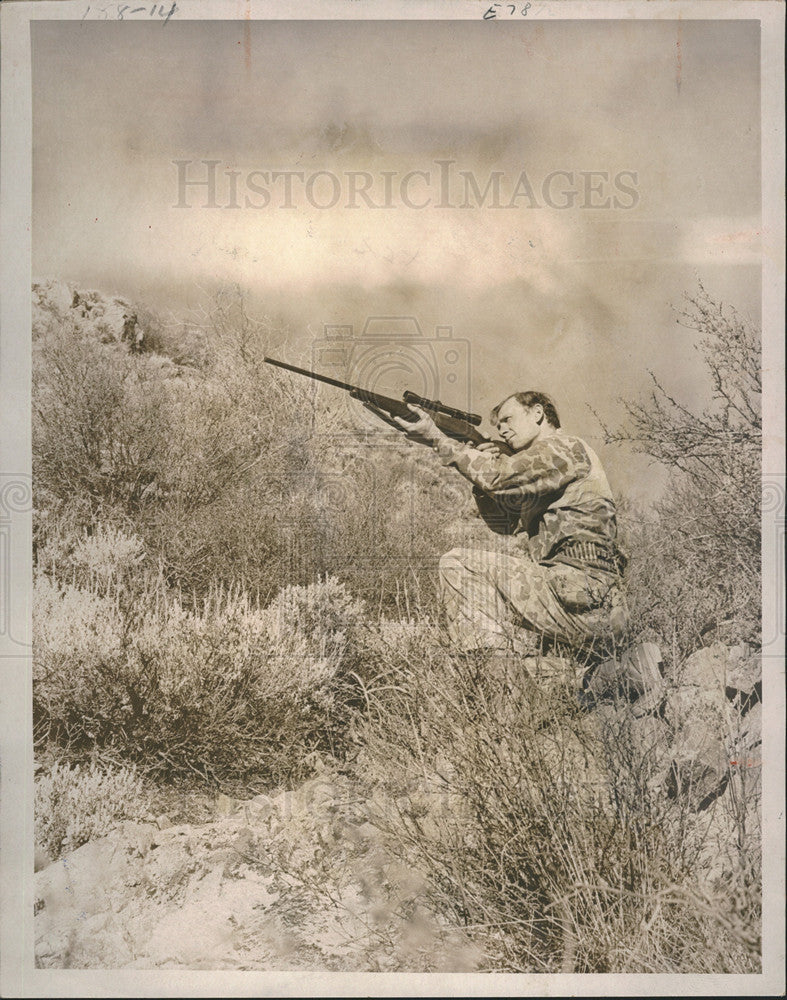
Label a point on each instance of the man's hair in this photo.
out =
(528, 399)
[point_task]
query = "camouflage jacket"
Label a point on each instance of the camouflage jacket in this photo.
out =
(554, 494)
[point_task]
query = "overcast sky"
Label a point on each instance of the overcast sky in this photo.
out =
(575, 300)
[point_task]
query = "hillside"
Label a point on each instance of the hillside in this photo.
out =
(256, 746)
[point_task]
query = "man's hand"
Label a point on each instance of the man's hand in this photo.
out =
(490, 447)
(424, 430)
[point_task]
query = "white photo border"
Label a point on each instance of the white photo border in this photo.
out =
(19, 977)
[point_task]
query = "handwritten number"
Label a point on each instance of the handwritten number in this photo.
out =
(491, 13)
(122, 9)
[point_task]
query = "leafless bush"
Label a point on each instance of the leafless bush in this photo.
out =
(699, 550)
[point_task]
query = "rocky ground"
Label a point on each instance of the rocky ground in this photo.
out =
(297, 881)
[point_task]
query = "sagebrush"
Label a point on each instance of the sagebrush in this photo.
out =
(76, 804)
(228, 693)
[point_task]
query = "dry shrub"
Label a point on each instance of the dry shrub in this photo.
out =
(229, 693)
(99, 419)
(547, 831)
(696, 573)
(76, 804)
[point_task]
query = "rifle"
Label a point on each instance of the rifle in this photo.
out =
(457, 424)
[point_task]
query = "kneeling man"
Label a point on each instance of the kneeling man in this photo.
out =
(549, 489)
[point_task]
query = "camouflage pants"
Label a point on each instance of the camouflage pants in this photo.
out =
(505, 601)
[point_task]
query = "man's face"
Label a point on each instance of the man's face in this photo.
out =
(518, 425)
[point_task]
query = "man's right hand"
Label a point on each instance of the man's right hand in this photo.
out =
(490, 447)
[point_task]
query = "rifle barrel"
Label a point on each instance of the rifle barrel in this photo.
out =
(305, 371)
(366, 395)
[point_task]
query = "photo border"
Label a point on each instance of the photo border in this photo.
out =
(18, 977)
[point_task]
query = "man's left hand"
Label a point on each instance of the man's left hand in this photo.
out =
(424, 430)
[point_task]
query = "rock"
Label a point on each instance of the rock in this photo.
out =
(548, 668)
(42, 858)
(698, 781)
(718, 690)
(635, 675)
(721, 668)
(706, 668)
(111, 319)
(51, 299)
(744, 676)
(693, 730)
(225, 805)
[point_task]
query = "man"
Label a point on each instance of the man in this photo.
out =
(548, 489)
(563, 583)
